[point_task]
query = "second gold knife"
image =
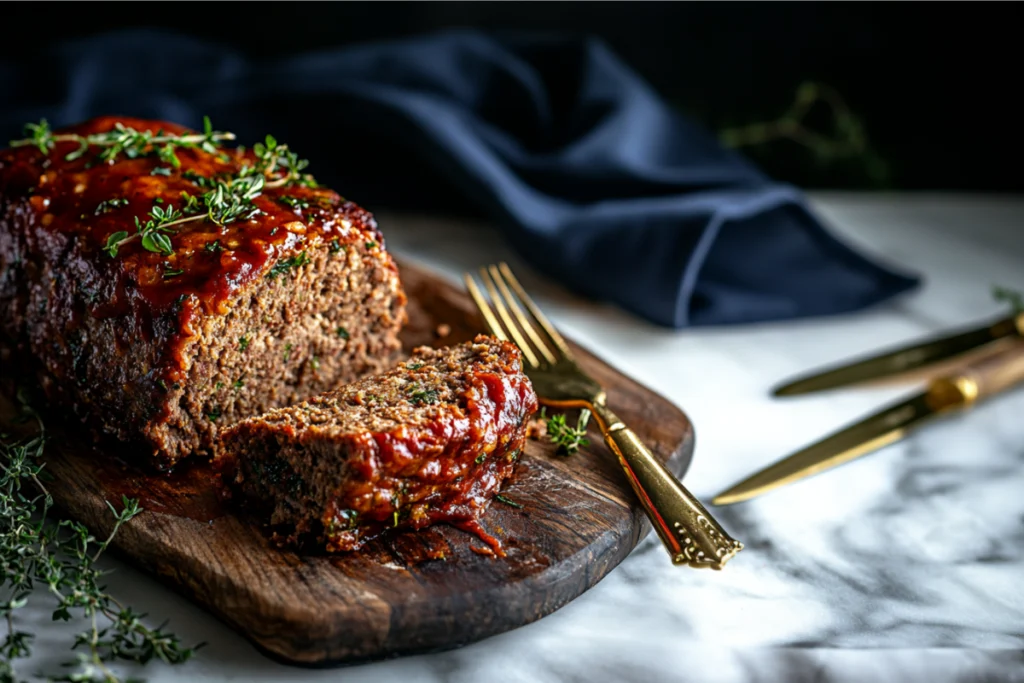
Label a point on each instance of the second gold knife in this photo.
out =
(905, 358)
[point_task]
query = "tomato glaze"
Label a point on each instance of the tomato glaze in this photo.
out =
(445, 470)
(67, 210)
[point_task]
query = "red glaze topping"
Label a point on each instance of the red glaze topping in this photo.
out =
(64, 202)
(446, 470)
(379, 454)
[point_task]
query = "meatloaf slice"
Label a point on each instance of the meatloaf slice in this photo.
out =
(432, 440)
(162, 347)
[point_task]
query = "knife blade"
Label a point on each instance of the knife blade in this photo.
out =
(985, 377)
(904, 358)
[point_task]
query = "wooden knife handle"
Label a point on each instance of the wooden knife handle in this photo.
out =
(992, 374)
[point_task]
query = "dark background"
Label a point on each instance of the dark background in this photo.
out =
(935, 85)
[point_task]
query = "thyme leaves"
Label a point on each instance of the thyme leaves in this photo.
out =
(60, 556)
(568, 439)
(276, 161)
(226, 198)
(111, 204)
(153, 233)
(286, 264)
(507, 501)
(420, 396)
(123, 140)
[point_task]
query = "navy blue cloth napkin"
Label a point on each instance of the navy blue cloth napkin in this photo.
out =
(596, 181)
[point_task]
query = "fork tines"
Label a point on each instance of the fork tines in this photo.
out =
(507, 320)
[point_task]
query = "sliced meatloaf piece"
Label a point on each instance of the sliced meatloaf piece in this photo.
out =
(430, 441)
(163, 343)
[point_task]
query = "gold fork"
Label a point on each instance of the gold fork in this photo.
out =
(691, 535)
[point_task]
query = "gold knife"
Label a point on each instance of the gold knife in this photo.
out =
(978, 379)
(905, 358)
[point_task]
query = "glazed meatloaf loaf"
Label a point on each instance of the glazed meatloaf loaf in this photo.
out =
(429, 441)
(164, 285)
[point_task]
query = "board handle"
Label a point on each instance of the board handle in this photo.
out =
(692, 536)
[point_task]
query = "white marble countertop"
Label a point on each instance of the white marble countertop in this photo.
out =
(904, 565)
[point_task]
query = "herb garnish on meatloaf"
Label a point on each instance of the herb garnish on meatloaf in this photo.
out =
(430, 441)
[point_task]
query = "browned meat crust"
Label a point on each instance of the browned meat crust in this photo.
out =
(165, 350)
(430, 441)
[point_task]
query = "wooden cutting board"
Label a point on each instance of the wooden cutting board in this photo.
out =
(578, 521)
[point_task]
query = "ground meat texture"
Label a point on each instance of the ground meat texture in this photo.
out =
(430, 441)
(165, 350)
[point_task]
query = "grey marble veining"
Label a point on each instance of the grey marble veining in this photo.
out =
(904, 565)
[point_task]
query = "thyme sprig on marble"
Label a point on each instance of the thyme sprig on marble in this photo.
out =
(40, 555)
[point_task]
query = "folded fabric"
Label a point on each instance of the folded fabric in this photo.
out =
(596, 182)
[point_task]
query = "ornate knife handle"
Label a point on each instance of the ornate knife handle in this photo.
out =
(692, 536)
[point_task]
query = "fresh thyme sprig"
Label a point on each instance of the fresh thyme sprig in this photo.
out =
(847, 139)
(226, 198)
(153, 232)
(273, 157)
(568, 439)
(123, 140)
(60, 557)
(231, 200)
(226, 202)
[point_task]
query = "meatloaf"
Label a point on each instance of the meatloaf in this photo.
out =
(431, 440)
(165, 291)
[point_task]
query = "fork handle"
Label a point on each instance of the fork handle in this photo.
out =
(692, 536)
